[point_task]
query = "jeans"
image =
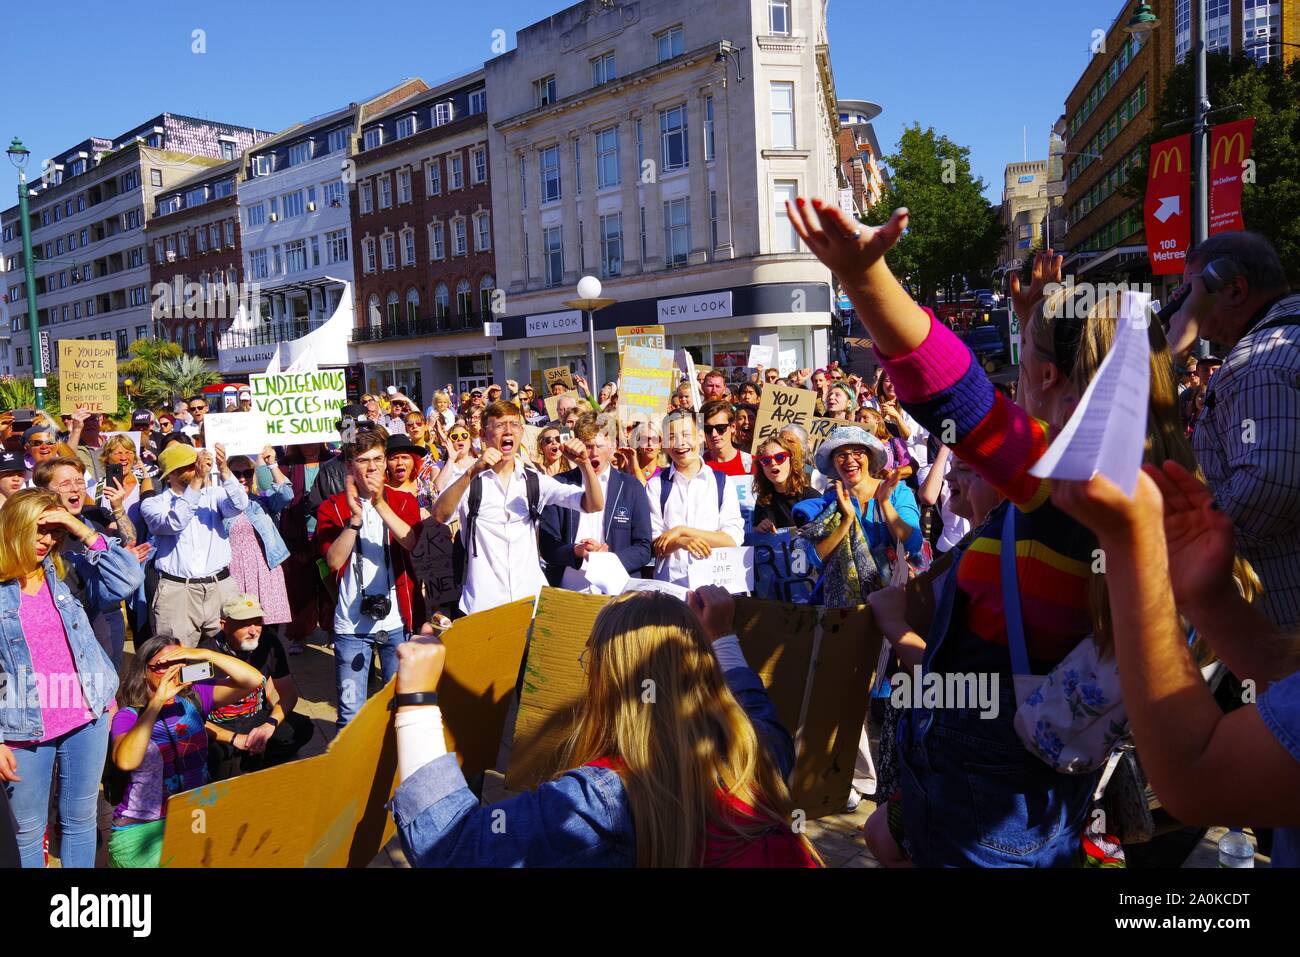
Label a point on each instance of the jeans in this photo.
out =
(81, 756)
(352, 657)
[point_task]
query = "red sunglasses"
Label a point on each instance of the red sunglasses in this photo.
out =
(776, 458)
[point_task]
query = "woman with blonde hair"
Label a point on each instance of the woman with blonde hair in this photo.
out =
(694, 778)
(945, 754)
(49, 648)
(135, 482)
(550, 458)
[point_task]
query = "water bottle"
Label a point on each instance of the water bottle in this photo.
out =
(1235, 850)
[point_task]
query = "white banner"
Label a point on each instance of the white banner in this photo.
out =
(242, 433)
(730, 568)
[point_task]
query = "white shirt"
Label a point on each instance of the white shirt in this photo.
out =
(191, 429)
(507, 566)
(954, 526)
(189, 530)
(592, 524)
(376, 577)
(694, 503)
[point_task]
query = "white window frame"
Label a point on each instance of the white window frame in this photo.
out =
(433, 178)
(553, 276)
(545, 91)
(459, 237)
(368, 253)
(779, 8)
(605, 155)
(389, 251)
(403, 185)
(549, 174)
(437, 241)
(482, 232)
(478, 165)
(406, 126)
(608, 241)
(477, 102)
(782, 117)
(669, 43)
(373, 137)
(667, 134)
(456, 171)
(336, 246)
(385, 191)
(603, 69)
(408, 247)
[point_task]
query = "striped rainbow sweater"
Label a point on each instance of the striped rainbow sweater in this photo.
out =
(940, 382)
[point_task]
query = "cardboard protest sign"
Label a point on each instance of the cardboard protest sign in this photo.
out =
(818, 429)
(646, 385)
(646, 337)
(561, 375)
(554, 684)
(782, 570)
(777, 640)
(484, 652)
(297, 814)
(552, 403)
(729, 568)
(300, 407)
(242, 433)
(431, 561)
(87, 376)
(760, 356)
(782, 406)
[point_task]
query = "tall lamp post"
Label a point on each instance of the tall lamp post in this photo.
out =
(590, 302)
(19, 155)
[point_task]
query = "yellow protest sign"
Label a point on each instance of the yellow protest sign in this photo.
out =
(782, 406)
(647, 337)
(87, 376)
(646, 386)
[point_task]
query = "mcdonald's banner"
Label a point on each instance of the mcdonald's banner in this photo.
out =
(1229, 150)
(1168, 205)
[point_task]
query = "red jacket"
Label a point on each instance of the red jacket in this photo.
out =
(335, 513)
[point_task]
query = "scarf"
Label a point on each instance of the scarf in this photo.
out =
(849, 573)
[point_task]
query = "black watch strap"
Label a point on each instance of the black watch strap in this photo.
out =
(415, 698)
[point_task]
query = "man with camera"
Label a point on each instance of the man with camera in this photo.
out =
(365, 535)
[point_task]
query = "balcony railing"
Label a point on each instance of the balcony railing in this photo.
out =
(406, 327)
(286, 330)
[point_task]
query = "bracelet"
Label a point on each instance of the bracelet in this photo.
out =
(355, 528)
(414, 698)
(272, 721)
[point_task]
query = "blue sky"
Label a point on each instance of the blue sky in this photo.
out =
(980, 71)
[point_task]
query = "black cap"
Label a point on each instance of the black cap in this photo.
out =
(141, 417)
(358, 413)
(12, 461)
(171, 437)
(397, 444)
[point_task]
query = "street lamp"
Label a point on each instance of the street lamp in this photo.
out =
(19, 155)
(590, 301)
(1143, 21)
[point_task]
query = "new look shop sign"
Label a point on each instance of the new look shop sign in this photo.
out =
(554, 323)
(713, 305)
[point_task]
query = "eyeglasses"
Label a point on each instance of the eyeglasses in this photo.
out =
(843, 455)
(70, 485)
(246, 473)
(716, 428)
(776, 458)
(582, 659)
(458, 436)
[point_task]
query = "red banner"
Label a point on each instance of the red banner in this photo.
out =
(1229, 150)
(1168, 205)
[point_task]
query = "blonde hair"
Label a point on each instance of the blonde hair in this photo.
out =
(1165, 439)
(679, 751)
(117, 442)
(18, 521)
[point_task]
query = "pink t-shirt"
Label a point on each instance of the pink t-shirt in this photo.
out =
(57, 682)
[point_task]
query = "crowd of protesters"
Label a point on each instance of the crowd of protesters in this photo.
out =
(220, 569)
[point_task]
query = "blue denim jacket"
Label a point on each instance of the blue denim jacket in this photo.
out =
(107, 576)
(263, 511)
(581, 819)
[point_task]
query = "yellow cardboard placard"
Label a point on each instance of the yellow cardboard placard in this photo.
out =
(87, 376)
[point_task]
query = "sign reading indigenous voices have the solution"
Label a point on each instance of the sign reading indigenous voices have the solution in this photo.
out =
(300, 407)
(87, 376)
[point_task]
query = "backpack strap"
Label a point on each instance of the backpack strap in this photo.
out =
(533, 486)
(666, 486)
(471, 511)
(721, 479)
(1011, 595)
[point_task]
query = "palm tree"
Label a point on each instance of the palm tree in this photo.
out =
(176, 377)
(146, 356)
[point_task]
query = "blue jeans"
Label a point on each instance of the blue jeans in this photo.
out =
(81, 756)
(352, 657)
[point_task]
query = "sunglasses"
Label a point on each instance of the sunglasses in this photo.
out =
(717, 428)
(246, 473)
(476, 395)
(776, 458)
(458, 436)
(39, 443)
(551, 439)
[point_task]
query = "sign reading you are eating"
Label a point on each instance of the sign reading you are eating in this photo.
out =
(300, 407)
(87, 376)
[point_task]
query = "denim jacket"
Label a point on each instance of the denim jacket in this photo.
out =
(107, 576)
(580, 819)
(262, 511)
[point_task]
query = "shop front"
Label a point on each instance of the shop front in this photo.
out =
(717, 328)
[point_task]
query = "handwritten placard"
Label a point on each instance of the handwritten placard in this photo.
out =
(818, 430)
(559, 375)
(789, 362)
(646, 337)
(760, 356)
(782, 406)
(242, 433)
(432, 563)
(647, 383)
(300, 407)
(729, 568)
(87, 376)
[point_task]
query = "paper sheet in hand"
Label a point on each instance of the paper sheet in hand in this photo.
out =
(729, 568)
(1107, 432)
(760, 356)
(654, 584)
(605, 573)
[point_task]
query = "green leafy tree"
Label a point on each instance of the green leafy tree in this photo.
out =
(176, 377)
(147, 355)
(953, 231)
(1269, 93)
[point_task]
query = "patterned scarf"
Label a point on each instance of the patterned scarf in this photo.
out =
(851, 572)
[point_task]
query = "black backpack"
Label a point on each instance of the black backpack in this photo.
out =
(666, 486)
